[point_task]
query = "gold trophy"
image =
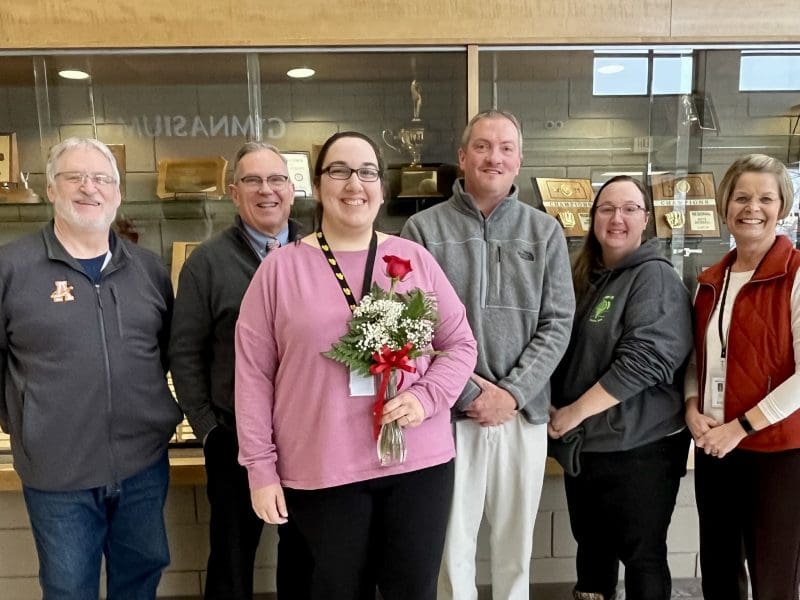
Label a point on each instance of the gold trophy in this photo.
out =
(415, 179)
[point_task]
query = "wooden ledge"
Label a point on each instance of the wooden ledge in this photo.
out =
(186, 468)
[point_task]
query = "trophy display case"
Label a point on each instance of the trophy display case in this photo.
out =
(580, 127)
(673, 117)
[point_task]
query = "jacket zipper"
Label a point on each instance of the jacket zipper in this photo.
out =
(109, 406)
(499, 269)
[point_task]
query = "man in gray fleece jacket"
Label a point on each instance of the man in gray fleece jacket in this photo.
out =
(508, 263)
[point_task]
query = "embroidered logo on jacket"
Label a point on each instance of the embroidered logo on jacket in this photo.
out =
(63, 292)
(525, 255)
(601, 308)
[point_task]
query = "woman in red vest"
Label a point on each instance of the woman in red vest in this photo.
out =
(743, 392)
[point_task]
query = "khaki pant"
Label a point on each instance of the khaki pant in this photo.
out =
(499, 473)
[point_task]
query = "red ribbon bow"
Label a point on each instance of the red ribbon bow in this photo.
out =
(385, 361)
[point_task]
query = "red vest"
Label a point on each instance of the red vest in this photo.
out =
(760, 354)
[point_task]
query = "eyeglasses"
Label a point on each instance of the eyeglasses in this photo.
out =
(609, 210)
(366, 174)
(79, 178)
(275, 182)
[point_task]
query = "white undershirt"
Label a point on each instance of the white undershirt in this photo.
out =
(777, 404)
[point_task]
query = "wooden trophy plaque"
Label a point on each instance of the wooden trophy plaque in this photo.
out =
(699, 219)
(569, 201)
(203, 176)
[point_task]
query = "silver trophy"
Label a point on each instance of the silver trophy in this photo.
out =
(407, 140)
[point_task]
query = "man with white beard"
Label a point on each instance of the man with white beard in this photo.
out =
(85, 325)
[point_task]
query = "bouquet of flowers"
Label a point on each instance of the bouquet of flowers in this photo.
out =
(387, 331)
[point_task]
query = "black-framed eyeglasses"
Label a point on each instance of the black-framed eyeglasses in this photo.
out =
(275, 182)
(79, 178)
(629, 210)
(365, 174)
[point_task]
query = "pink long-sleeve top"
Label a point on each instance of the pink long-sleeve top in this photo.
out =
(296, 422)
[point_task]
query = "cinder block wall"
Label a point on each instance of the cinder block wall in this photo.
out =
(187, 524)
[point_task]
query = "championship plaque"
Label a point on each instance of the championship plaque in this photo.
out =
(204, 176)
(569, 201)
(699, 218)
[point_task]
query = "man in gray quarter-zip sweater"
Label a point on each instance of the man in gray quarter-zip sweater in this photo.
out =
(508, 263)
(85, 325)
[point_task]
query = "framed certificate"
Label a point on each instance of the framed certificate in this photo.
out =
(299, 165)
(699, 217)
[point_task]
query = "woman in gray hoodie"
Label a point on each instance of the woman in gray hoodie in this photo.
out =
(618, 391)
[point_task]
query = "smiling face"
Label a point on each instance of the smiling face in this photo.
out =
(349, 206)
(490, 160)
(263, 207)
(754, 207)
(84, 205)
(620, 219)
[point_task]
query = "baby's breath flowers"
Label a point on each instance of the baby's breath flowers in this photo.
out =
(388, 330)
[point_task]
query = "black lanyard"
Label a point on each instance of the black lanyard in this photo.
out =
(722, 340)
(365, 286)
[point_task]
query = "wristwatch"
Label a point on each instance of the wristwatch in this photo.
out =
(746, 425)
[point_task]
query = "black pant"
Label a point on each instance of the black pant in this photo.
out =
(387, 532)
(235, 531)
(620, 507)
(749, 507)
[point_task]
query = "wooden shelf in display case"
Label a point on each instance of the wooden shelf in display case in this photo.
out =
(699, 219)
(568, 200)
(195, 176)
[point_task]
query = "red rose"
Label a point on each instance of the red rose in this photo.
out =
(396, 267)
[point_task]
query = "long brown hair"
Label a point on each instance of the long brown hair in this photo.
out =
(590, 256)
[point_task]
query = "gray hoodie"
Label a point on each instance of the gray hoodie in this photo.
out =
(633, 334)
(511, 271)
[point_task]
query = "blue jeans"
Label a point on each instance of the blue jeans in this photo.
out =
(124, 522)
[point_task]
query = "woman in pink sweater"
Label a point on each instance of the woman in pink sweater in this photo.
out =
(305, 429)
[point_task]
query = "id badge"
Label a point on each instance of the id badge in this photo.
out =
(717, 392)
(360, 385)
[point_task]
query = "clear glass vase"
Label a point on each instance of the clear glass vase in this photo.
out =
(391, 439)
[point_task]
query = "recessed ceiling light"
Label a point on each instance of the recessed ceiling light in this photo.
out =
(610, 69)
(300, 73)
(73, 74)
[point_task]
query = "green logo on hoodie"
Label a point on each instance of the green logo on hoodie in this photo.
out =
(601, 308)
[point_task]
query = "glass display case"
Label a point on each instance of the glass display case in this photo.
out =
(166, 106)
(674, 117)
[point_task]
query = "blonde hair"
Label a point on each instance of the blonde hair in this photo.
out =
(755, 163)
